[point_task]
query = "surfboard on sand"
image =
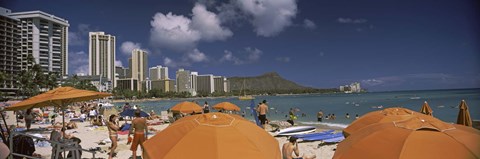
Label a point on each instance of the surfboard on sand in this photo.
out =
(323, 137)
(334, 140)
(296, 130)
(314, 134)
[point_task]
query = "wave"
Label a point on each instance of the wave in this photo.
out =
(325, 124)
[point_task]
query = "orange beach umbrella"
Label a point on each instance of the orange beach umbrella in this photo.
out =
(380, 116)
(419, 137)
(464, 115)
(187, 107)
(426, 109)
(213, 136)
(226, 106)
(59, 97)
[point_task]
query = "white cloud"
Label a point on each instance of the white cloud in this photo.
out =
(283, 59)
(197, 56)
(351, 20)
(173, 32)
(127, 47)
(269, 17)
(78, 62)
(229, 57)
(308, 24)
(250, 55)
(82, 69)
(253, 54)
(208, 24)
(172, 63)
(118, 63)
(180, 33)
(78, 38)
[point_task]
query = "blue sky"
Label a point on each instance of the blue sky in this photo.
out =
(386, 45)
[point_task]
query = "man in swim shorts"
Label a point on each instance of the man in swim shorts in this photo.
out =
(262, 113)
(140, 130)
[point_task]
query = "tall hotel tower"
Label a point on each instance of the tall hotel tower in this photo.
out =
(45, 38)
(101, 55)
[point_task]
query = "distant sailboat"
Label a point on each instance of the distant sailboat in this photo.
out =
(245, 96)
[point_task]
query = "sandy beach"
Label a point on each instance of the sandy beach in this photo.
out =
(92, 136)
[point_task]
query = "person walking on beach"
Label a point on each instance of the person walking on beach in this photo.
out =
(292, 147)
(113, 134)
(206, 107)
(320, 116)
(262, 113)
(140, 130)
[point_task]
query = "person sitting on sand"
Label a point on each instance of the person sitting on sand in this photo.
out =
(140, 130)
(292, 147)
(113, 134)
(71, 125)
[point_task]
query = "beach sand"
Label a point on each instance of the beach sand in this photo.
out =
(91, 136)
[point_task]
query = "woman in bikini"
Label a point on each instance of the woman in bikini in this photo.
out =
(112, 131)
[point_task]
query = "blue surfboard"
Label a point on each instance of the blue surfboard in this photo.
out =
(335, 140)
(254, 113)
(315, 134)
(323, 137)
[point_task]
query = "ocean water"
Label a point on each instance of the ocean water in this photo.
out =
(444, 104)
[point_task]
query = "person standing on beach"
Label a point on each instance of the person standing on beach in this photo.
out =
(320, 116)
(28, 118)
(262, 113)
(113, 134)
(206, 108)
(292, 147)
(140, 130)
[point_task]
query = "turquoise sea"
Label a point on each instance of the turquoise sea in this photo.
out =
(443, 102)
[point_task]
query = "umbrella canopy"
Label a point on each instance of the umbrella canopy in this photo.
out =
(419, 137)
(464, 115)
(131, 113)
(187, 107)
(59, 97)
(380, 116)
(426, 109)
(226, 106)
(220, 136)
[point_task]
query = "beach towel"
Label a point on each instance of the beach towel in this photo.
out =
(123, 132)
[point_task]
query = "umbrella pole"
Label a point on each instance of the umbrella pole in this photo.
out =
(1, 129)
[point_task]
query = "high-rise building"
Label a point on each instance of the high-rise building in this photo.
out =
(205, 83)
(9, 45)
(158, 73)
(167, 85)
(45, 38)
(221, 84)
(122, 72)
(193, 83)
(184, 83)
(139, 66)
(101, 55)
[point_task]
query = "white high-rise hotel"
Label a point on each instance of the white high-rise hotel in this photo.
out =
(45, 38)
(101, 55)
(158, 73)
